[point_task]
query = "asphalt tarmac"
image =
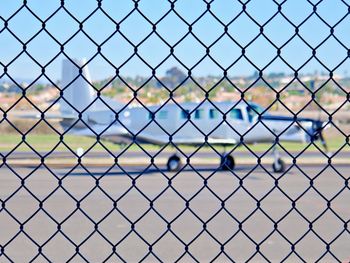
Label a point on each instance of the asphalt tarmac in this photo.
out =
(201, 154)
(86, 213)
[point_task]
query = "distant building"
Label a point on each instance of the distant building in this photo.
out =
(173, 78)
(14, 89)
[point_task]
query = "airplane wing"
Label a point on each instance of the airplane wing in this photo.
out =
(189, 141)
(102, 130)
(46, 116)
(185, 140)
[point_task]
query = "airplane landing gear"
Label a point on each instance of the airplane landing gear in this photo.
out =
(278, 165)
(227, 162)
(174, 163)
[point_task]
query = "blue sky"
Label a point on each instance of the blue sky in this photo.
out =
(172, 29)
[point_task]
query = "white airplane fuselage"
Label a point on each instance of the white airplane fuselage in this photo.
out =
(158, 124)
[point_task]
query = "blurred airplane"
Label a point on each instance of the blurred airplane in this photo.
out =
(86, 113)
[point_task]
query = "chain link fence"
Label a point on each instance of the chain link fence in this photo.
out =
(81, 198)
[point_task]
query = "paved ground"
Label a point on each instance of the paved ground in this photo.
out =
(201, 154)
(135, 158)
(222, 219)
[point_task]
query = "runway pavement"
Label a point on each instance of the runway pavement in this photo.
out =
(198, 159)
(201, 154)
(203, 211)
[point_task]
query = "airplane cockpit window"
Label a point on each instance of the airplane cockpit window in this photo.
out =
(253, 110)
(236, 114)
(163, 114)
(184, 114)
(199, 114)
(213, 113)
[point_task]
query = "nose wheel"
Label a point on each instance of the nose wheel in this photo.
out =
(227, 162)
(174, 163)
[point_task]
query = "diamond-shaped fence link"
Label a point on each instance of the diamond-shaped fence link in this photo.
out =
(82, 199)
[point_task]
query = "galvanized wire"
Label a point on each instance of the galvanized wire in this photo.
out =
(118, 24)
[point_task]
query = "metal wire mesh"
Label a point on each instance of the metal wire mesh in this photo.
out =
(161, 226)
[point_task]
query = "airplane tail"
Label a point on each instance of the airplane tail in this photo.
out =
(77, 87)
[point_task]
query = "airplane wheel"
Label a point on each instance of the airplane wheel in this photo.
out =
(279, 166)
(227, 163)
(174, 163)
